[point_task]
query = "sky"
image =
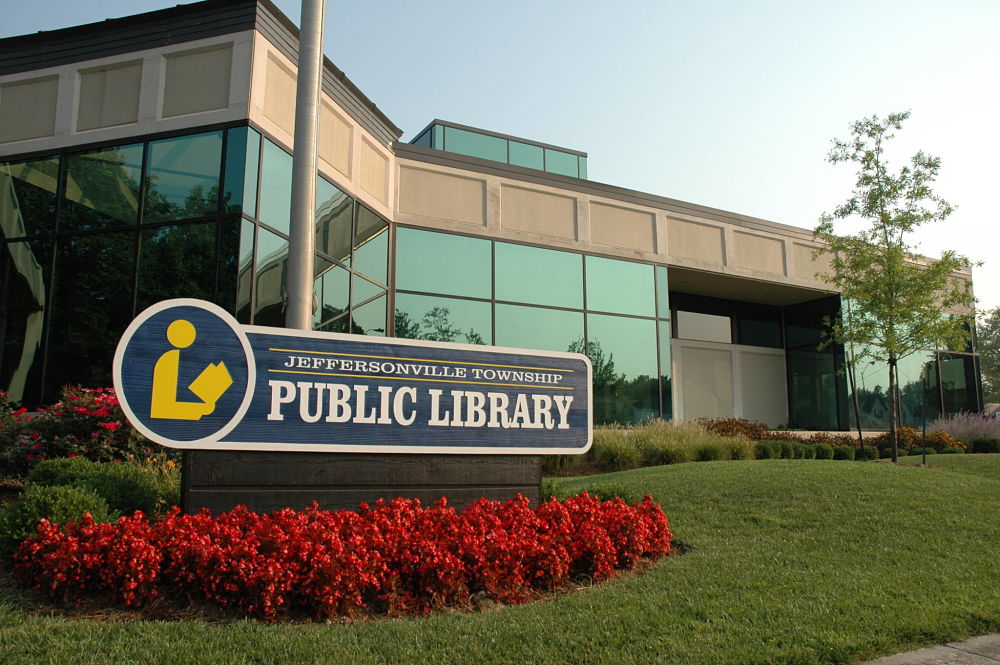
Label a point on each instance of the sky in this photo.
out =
(724, 103)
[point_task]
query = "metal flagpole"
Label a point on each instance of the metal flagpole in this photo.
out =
(298, 313)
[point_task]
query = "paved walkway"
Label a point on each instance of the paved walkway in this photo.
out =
(983, 650)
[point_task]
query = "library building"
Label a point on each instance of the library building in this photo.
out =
(149, 157)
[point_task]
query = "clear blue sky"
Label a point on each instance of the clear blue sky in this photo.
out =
(729, 104)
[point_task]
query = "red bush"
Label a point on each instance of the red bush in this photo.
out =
(397, 557)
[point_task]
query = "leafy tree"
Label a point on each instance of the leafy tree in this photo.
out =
(895, 298)
(988, 332)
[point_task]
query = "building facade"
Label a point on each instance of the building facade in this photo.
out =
(148, 157)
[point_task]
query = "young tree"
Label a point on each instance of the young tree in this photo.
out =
(896, 300)
(988, 333)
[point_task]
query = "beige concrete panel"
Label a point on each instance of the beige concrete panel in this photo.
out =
(279, 94)
(763, 387)
(28, 108)
(706, 382)
(621, 227)
(109, 96)
(442, 196)
(804, 266)
(696, 241)
(197, 80)
(374, 172)
(335, 139)
(537, 212)
(758, 253)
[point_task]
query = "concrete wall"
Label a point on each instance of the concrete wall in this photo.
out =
(348, 154)
(450, 198)
(197, 83)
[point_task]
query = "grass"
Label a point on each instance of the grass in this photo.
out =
(787, 561)
(984, 465)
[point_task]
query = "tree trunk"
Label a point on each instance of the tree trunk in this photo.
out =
(854, 398)
(893, 408)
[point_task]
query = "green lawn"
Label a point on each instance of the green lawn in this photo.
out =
(788, 561)
(978, 465)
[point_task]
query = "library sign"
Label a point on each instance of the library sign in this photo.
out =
(189, 376)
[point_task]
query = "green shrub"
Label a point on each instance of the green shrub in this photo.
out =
(843, 452)
(767, 449)
(62, 471)
(866, 453)
(655, 453)
(823, 451)
(613, 450)
(808, 451)
(710, 451)
(739, 448)
(951, 451)
(985, 445)
(554, 465)
(125, 486)
(787, 449)
(549, 488)
(57, 504)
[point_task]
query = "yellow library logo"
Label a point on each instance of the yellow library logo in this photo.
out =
(208, 387)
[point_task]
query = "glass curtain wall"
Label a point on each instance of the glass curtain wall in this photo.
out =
(91, 237)
(479, 291)
(498, 148)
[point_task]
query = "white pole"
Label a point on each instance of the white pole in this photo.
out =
(301, 234)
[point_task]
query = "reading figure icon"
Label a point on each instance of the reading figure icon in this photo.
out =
(210, 385)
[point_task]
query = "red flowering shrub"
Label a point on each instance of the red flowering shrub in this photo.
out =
(83, 423)
(397, 557)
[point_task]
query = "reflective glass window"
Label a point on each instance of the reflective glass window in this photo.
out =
(369, 319)
(362, 289)
(332, 288)
(623, 353)
(244, 280)
(620, 286)
(539, 276)
(32, 186)
(813, 388)
(530, 156)
(758, 325)
(176, 261)
(583, 167)
(272, 260)
(423, 140)
(538, 328)
(102, 188)
(443, 263)
(338, 325)
(475, 145)
(242, 166)
(443, 319)
(182, 180)
(666, 371)
(25, 269)
(371, 245)
(334, 212)
(560, 162)
(871, 380)
(438, 137)
(274, 207)
(91, 307)
(918, 389)
(228, 263)
(958, 383)
(662, 293)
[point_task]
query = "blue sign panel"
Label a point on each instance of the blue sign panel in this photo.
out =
(189, 376)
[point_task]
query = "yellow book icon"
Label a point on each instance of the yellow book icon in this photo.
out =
(211, 383)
